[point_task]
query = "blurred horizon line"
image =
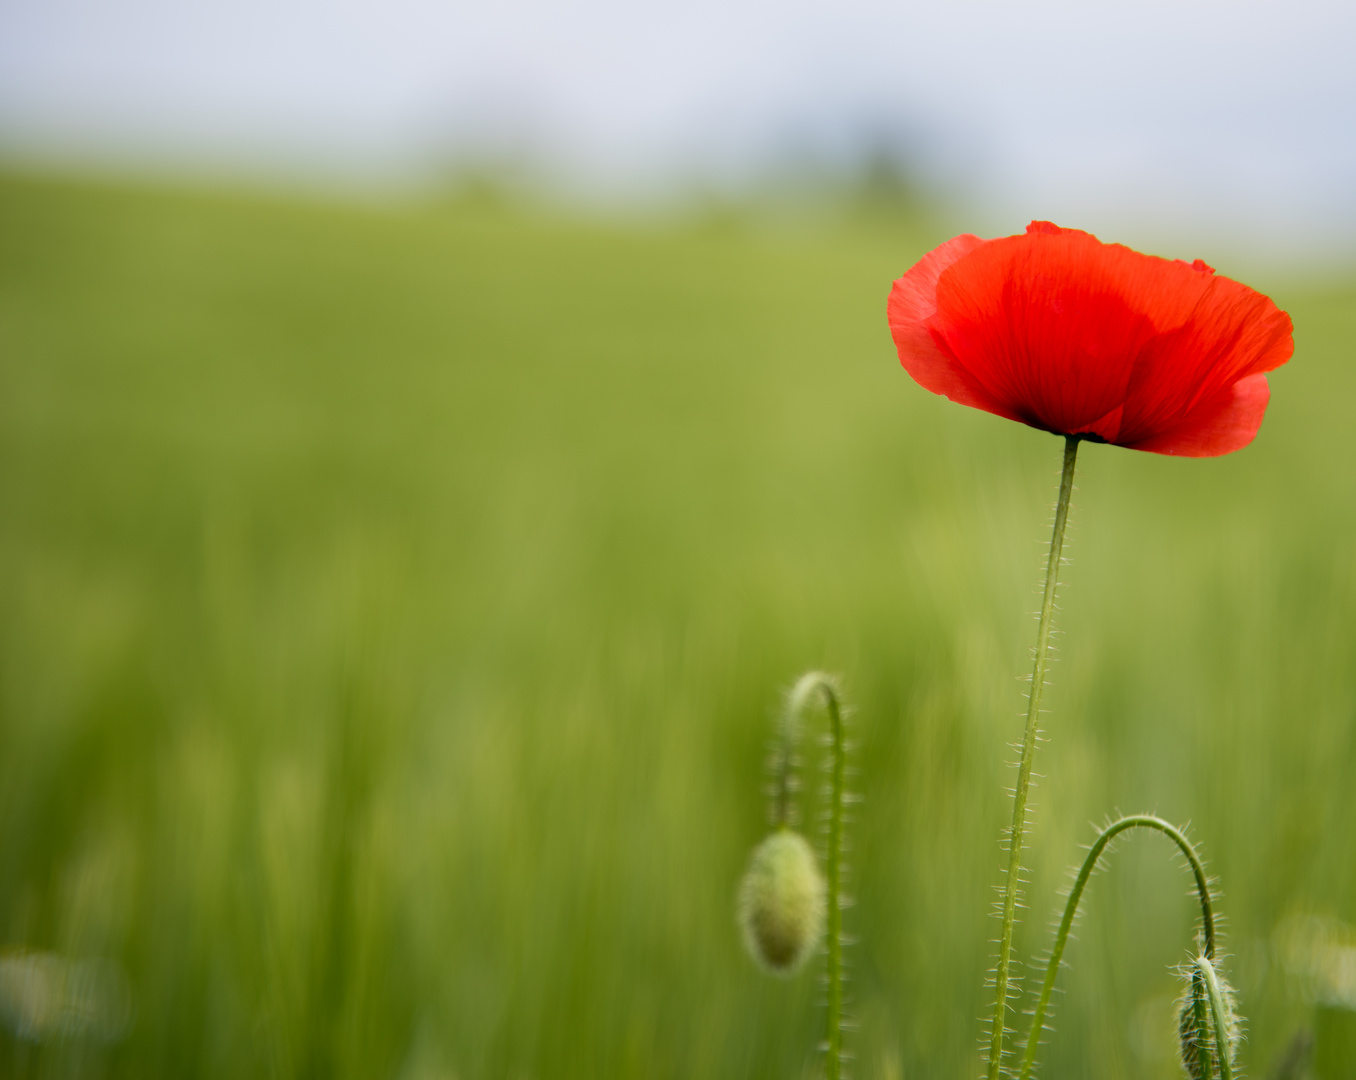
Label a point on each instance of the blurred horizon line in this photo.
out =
(1226, 125)
(796, 183)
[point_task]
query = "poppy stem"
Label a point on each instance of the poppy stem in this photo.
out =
(825, 685)
(1146, 821)
(1219, 1013)
(1003, 973)
(784, 765)
(834, 1034)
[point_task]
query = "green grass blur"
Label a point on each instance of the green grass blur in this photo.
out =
(395, 603)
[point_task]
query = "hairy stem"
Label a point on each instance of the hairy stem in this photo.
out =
(1146, 821)
(1219, 1012)
(808, 685)
(835, 1018)
(1002, 974)
(784, 763)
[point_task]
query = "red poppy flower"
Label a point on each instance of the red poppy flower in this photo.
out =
(1073, 336)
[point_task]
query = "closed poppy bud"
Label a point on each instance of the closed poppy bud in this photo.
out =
(1207, 1022)
(1080, 338)
(781, 902)
(1193, 1030)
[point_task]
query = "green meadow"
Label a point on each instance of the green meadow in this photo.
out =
(396, 602)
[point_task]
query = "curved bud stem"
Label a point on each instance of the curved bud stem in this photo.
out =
(784, 760)
(808, 686)
(1132, 821)
(1002, 974)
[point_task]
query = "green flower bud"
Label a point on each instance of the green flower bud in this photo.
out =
(1193, 1028)
(781, 903)
(1208, 1022)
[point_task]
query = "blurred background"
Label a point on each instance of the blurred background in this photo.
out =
(432, 439)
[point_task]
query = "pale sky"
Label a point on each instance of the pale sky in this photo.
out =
(1196, 113)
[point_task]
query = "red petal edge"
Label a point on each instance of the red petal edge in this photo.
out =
(913, 300)
(1227, 424)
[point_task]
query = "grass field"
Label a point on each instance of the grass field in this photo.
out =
(395, 603)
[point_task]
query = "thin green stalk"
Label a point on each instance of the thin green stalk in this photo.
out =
(1219, 1011)
(785, 764)
(1002, 975)
(835, 1018)
(1147, 821)
(800, 695)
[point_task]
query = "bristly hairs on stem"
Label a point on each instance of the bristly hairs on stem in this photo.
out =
(1197, 1041)
(1003, 971)
(1223, 1016)
(816, 688)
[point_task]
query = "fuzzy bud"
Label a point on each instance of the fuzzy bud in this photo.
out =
(781, 902)
(1208, 1022)
(1193, 1028)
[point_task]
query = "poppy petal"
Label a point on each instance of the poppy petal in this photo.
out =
(1229, 333)
(1041, 322)
(1221, 426)
(913, 301)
